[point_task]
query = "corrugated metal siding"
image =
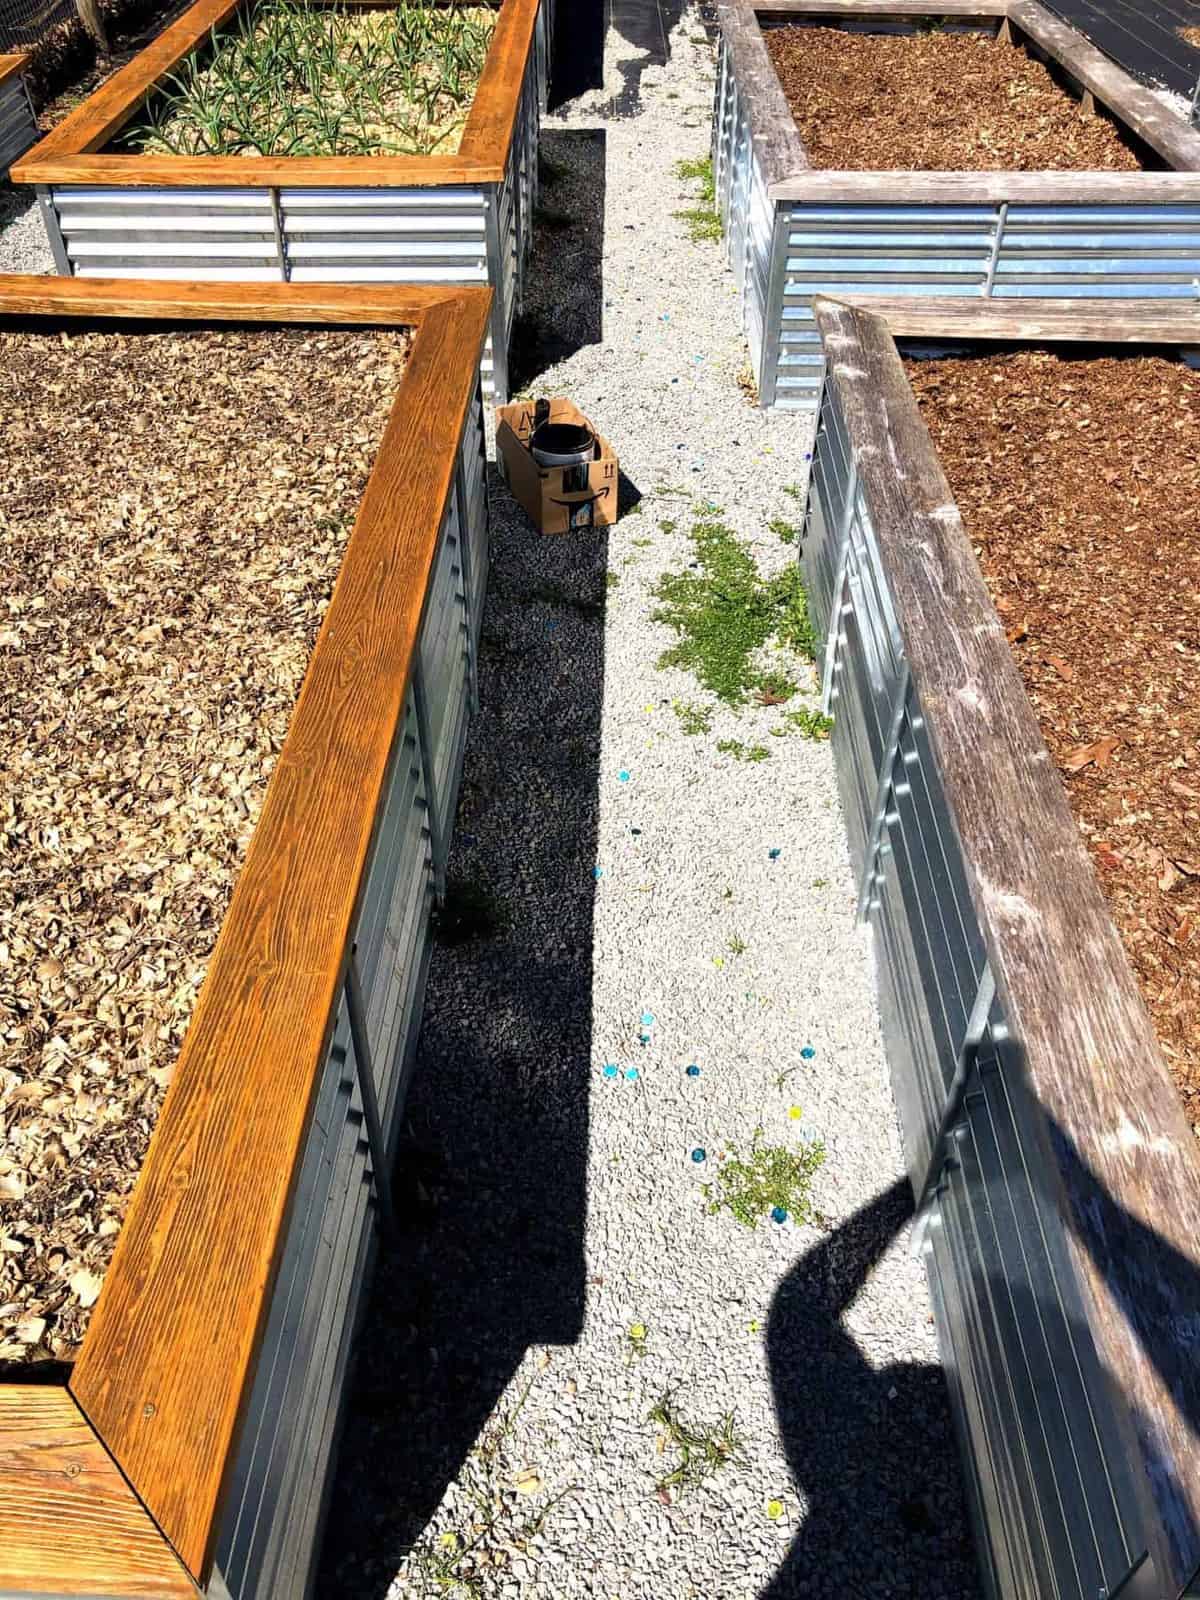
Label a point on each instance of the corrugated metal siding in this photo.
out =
(747, 214)
(268, 1541)
(18, 130)
(1056, 1511)
(784, 253)
(413, 235)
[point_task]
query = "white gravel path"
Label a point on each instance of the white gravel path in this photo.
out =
(559, 1208)
(23, 243)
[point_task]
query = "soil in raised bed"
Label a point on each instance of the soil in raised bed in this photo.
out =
(1078, 478)
(174, 507)
(935, 102)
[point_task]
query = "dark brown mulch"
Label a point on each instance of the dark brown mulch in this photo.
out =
(935, 102)
(173, 511)
(66, 66)
(1079, 480)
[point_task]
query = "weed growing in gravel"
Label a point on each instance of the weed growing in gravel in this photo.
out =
(292, 79)
(635, 1339)
(704, 1448)
(726, 611)
(693, 718)
(703, 220)
(771, 1179)
(785, 532)
(743, 752)
(738, 945)
(775, 687)
(809, 724)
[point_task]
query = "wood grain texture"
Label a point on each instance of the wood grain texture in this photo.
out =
(73, 151)
(169, 1358)
(960, 10)
(168, 300)
(889, 188)
(777, 142)
(1118, 1155)
(69, 1523)
(10, 66)
(960, 317)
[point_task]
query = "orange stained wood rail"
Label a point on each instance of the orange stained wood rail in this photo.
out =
(168, 1361)
(10, 66)
(73, 152)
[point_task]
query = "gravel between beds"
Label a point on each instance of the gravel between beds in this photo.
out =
(559, 1274)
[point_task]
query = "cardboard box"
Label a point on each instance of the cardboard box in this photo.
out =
(556, 499)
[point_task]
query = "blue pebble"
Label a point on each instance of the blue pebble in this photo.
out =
(598, 872)
(693, 1071)
(632, 1074)
(774, 855)
(622, 776)
(647, 1019)
(778, 1214)
(699, 1155)
(807, 1053)
(610, 1070)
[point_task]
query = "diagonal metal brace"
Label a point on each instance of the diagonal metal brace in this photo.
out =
(968, 1054)
(380, 1174)
(883, 788)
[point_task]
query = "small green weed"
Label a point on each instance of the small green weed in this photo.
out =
(699, 170)
(703, 220)
(796, 490)
(743, 752)
(775, 687)
(611, 579)
(641, 544)
(785, 532)
(726, 611)
(635, 1339)
(809, 724)
(667, 526)
(771, 1178)
(704, 1448)
(738, 945)
(693, 718)
(703, 225)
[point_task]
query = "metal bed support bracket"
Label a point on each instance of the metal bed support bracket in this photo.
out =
(836, 610)
(437, 844)
(887, 777)
(366, 1087)
(968, 1055)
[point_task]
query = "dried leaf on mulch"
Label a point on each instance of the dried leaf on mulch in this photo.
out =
(1079, 478)
(935, 102)
(173, 510)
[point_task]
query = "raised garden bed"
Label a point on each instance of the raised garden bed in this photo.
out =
(339, 434)
(1057, 1176)
(1055, 177)
(18, 126)
(248, 143)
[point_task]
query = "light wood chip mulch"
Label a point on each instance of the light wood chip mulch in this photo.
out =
(173, 511)
(935, 102)
(1078, 478)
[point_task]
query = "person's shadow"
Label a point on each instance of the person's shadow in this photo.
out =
(871, 1450)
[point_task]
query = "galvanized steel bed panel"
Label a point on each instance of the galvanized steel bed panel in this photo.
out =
(269, 1538)
(783, 253)
(18, 128)
(455, 235)
(1057, 1512)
